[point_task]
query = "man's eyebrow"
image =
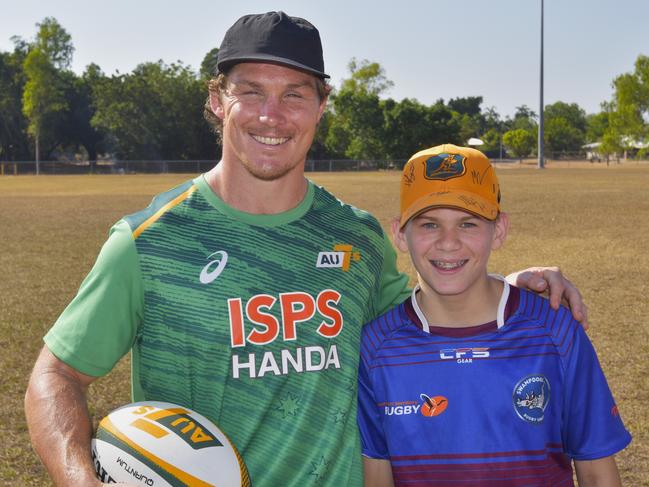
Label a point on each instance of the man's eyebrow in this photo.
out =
(290, 86)
(302, 84)
(245, 82)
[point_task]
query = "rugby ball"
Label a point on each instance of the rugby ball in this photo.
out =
(162, 444)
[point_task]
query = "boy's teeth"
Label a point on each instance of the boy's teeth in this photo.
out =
(448, 265)
(270, 140)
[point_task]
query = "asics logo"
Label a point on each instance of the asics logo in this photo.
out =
(217, 266)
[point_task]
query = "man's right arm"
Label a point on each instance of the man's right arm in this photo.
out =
(94, 331)
(59, 422)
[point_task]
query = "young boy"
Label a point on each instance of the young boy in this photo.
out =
(470, 380)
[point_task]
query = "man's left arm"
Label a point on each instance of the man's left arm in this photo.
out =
(558, 287)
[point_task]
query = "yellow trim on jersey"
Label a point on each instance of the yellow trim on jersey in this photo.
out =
(185, 477)
(149, 221)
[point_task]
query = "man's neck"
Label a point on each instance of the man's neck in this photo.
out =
(244, 192)
(476, 306)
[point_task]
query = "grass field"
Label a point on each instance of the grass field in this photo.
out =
(593, 222)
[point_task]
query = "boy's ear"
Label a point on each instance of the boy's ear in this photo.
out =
(501, 230)
(399, 235)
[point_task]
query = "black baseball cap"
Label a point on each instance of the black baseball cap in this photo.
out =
(272, 37)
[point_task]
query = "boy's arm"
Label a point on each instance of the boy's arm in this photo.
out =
(595, 473)
(378, 472)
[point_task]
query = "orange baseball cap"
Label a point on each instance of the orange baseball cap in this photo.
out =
(451, 177)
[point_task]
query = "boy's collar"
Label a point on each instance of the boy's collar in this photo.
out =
(500, 315)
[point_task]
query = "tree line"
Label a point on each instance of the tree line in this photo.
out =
(155, 112)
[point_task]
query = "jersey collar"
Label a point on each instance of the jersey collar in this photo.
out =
(252, 218)
(502, 314)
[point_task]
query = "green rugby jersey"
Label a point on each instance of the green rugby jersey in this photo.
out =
(252, 320)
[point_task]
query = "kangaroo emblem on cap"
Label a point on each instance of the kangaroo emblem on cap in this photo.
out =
(445, 166)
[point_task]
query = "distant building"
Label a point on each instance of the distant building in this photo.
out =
(631, 148)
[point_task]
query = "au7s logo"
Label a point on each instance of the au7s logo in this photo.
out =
(341, 256)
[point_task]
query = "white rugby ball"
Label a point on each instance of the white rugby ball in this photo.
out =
(162, 444)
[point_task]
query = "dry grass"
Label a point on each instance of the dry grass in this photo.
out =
(591, 221)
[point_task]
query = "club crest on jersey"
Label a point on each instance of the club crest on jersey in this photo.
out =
(445, 166)
(341, 257)
(531, 397)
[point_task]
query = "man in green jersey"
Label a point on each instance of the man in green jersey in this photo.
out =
(241, 293)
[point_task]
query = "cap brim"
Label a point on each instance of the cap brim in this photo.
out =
(222, 66)
(461, 200)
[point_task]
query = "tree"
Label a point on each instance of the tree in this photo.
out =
(520, 141)
(565, 127)
(469, 116)
(411, 127)
(443, 125)
(366, 77)
(469, 105)
(361, 116)
(362, 125)
(44, 102)
(629, 109)
(560, 136)
(492, 142)
(493, 120)
(493, 129)
(572, 113)
(357, 128)
(79, 130)
(524, 118)
(208, 65)
(596, 125)
(14, 144)
(55, 43)
(154, 113)
(470, 126)
(334, 135)
(43, 98)
(318, 149)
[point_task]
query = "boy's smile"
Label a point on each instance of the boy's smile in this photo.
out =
(448, 266)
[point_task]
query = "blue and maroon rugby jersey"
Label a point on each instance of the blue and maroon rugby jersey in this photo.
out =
(485, 405)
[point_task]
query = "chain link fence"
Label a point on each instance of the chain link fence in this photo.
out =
(199, 166)
(185, 166)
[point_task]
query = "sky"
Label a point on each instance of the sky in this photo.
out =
(429, 49)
